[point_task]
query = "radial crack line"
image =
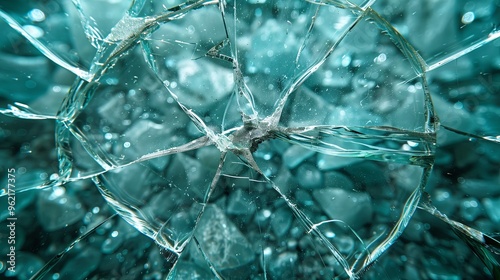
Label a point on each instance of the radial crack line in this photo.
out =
(275, 117)
(248, 114)
(45, 185)
(408, 210)
(489, 138)
(309, 226)
(241, 87)
(205, 257)
(317, 143)
(77, 70)
(308, 35)
(97, 154)
(110, 52)
(57, 258)
(23, 111)
(484, 246)
(492, 36)
(193, 145)
(220, 140)
(304, 219)
(342, 4)
(210, 190)
(365, 247)
(89, 26)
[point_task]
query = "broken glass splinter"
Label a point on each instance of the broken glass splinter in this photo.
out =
(259, 139)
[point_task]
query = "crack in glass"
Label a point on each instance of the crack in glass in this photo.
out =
(259, 139)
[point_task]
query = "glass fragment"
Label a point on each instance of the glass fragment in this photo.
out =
(260, 139)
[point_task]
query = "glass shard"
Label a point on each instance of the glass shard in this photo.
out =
(207, 139)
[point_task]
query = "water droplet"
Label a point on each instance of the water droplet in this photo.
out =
(468, 18)
(36, 15)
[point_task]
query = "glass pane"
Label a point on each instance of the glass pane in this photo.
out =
(259, 139)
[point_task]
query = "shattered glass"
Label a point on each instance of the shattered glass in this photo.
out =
(258, 139)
